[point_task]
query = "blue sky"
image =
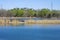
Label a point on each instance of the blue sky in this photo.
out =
(35, 4)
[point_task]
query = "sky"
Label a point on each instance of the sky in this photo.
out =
(35, 4)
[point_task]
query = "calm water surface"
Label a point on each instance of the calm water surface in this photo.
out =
(30, 32)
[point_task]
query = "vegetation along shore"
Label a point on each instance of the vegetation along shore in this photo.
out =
(30, 21)
(29, 12)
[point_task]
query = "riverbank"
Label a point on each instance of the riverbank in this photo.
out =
(42, 21)
(18, 20)
(30, 22)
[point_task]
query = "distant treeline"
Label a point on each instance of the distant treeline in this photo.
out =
(29, 12)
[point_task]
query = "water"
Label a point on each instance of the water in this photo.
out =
(30, 32)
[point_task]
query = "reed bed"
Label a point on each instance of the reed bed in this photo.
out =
(30, 22)
(42, 21)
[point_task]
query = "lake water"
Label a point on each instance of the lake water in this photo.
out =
(30, 32)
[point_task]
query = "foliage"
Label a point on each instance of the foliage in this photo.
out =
(26, 12)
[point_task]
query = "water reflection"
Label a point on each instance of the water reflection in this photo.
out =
(31, 25)
(11, 24)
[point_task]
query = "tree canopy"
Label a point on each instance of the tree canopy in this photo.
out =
(29, 12)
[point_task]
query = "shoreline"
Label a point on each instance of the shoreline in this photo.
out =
(30, 22)
(42, 21)
(7, 20)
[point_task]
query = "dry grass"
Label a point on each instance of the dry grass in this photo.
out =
(14, 22)
(42, 22)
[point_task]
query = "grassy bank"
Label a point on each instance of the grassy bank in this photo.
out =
(42, 21)
(30, 22)
(14, 21)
